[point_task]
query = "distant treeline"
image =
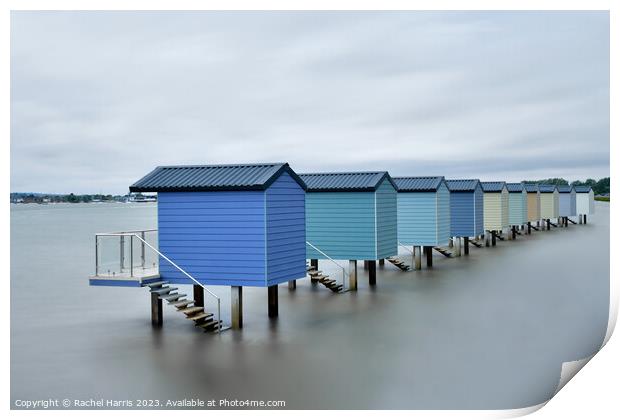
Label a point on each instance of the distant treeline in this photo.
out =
(63, 198)
(599, 187)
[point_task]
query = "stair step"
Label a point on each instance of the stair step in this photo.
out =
(319, 277)
(314, 272)
(209, 325)
(191, 310)
(164, 290)
(174, 297)
(181, 303)
(200, 316)
(156, 284)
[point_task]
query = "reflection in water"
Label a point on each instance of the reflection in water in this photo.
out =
(485, 331)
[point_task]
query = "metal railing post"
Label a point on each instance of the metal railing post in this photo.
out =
(131, 256)
(142, 257)
(122, 248)
(96, 255)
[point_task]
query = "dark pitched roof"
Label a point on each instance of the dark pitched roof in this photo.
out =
(531, 187)
(546, 188)
(565, 188)
(515, 186)
(345, 181)
(231, 177)
(583, 188)
(418, 183)
(455, 185)
(495, 186)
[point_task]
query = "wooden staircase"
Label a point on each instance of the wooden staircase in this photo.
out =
(318, 276)
(194, 313)
(475, 243)
(443, 251)
(399, 263)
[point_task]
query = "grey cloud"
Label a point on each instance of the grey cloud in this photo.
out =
(99, 98)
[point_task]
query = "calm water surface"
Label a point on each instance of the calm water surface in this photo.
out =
(490, 330)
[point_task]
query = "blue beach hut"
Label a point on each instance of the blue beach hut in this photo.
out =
(567, 203)
(230, 225)
(350, 216)
(423, 214)
(517, 206)
(466, 209)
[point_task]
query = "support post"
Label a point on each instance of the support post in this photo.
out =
(372, 272)
(493, 238)
(418, 257)
(580, 219)
(451, 242)
(199, 296)
(236, 304)
(514, 233)
(457, 246)
(548, 224)
(157, 311)
(487, 241)
(429, 256)
(292, 285)
(381, 262)
(529, 228)
(315, 264)
(466, 245)
(352, 274)
(585, 219)
(365, 265)
(272, 301)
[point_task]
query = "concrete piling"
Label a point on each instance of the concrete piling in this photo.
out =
(236, 307)
(418, 257)
(352, 274)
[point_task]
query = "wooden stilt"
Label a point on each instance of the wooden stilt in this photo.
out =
(236, 307)
(292, 285)
(352, 274)
(466, 245)
(315, 264)
(365, 265)
(487, 241)
(493, 238)
(514, 232)
(585, 219)
(381, 262)
(157, 311)
(272, 301)
(529, 228)
(457, 246)
(429, 256)
(199, 295)
(372, 272)
(418, 257)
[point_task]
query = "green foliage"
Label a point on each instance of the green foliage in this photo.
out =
(599, 187)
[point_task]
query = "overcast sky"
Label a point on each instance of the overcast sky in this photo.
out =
(98, 99)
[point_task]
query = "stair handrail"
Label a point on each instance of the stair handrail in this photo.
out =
(133, 234)
(345, 273)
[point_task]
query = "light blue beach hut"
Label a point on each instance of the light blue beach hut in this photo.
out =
(351, 216)
(423, 214)
(517, 206)
(567, 203)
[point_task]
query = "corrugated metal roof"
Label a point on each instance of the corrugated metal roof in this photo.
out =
(418, 183)
(531, 187)
(564, 188)
(462, 184)
(344, 181)
(229, 177)
(546, 188)
(515, 186)
(494, 186)
(583, 188)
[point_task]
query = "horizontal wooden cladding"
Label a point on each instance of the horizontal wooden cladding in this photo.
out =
(463, 213)
(517, 208)
(533, 206)
(585, 203)
(549, 205)
(199, 228)
(417, 218)
(341, 224)
(285, 231)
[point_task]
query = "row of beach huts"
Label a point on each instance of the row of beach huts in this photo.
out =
(260, 225)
